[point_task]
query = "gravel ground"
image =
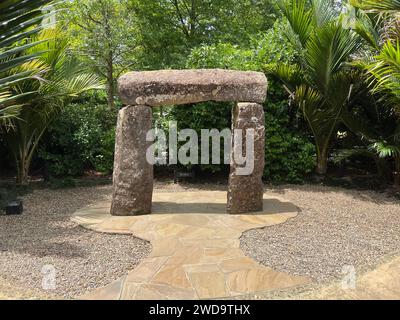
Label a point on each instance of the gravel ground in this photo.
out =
(44, 235)
(336, 228)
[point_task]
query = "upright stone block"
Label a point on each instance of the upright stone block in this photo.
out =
(133, 175)
(245, 192)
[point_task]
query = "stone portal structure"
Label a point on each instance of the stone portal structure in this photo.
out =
(133, 175)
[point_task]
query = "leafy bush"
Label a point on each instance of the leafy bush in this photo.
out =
(289, 156)
(208, 115)
(82, 137)
(266, 48)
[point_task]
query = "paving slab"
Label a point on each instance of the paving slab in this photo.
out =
(196, 252)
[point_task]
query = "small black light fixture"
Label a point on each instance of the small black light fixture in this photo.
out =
(14, 207)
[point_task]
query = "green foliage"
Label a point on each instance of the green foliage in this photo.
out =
(19, 20)
(209, 115)
(323, 68)
(223, 56)
(82, 137)
(385, 71)
(168, 30)
(289, 156)
(320, 83)
(61, 81)
(271, 47)
(102, 34)
(384, 76)
(377, 5)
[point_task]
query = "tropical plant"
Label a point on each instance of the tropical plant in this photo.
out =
(19, 20)
(374, 125)
(377, 5)
(384, 72)
(61, 80)
(289, 155)
(321, 82)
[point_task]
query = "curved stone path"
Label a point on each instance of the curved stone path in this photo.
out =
(196, 251)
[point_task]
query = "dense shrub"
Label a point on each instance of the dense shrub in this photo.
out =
(289, 156)
(82, 137)
(289, 152)
(208, 115)
(265, 48)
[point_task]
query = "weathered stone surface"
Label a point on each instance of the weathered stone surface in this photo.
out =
(195, 263)
(133, 175)
(245, 192)
(174, 87)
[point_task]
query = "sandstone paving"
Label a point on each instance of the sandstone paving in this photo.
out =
(195, 253)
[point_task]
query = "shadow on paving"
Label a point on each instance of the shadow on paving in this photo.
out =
(272, 206)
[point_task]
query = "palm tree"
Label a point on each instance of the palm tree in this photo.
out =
(19, 20)
(374, 125)
(61, 80)
(321, 82)
(384, 71)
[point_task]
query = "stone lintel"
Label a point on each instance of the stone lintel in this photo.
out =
(176, 87)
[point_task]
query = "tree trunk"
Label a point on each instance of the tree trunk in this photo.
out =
(23, 171)
(24, 153)
(322, 163)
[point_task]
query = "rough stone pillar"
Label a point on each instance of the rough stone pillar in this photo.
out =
(245, 192)
(133, 175)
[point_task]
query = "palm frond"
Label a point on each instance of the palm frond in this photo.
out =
(386, 70)
(61, 78)
(359, 124)
(289, 74)
(19, 21)
(369, 27)
(382, 165)
(299, 17)
(10, 112)
(377, 5)
(384, 149)
(335, 45)
(323, 13)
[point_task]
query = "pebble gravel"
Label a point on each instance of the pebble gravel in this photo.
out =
(335, 228)
(44, 251)
(338, 231)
